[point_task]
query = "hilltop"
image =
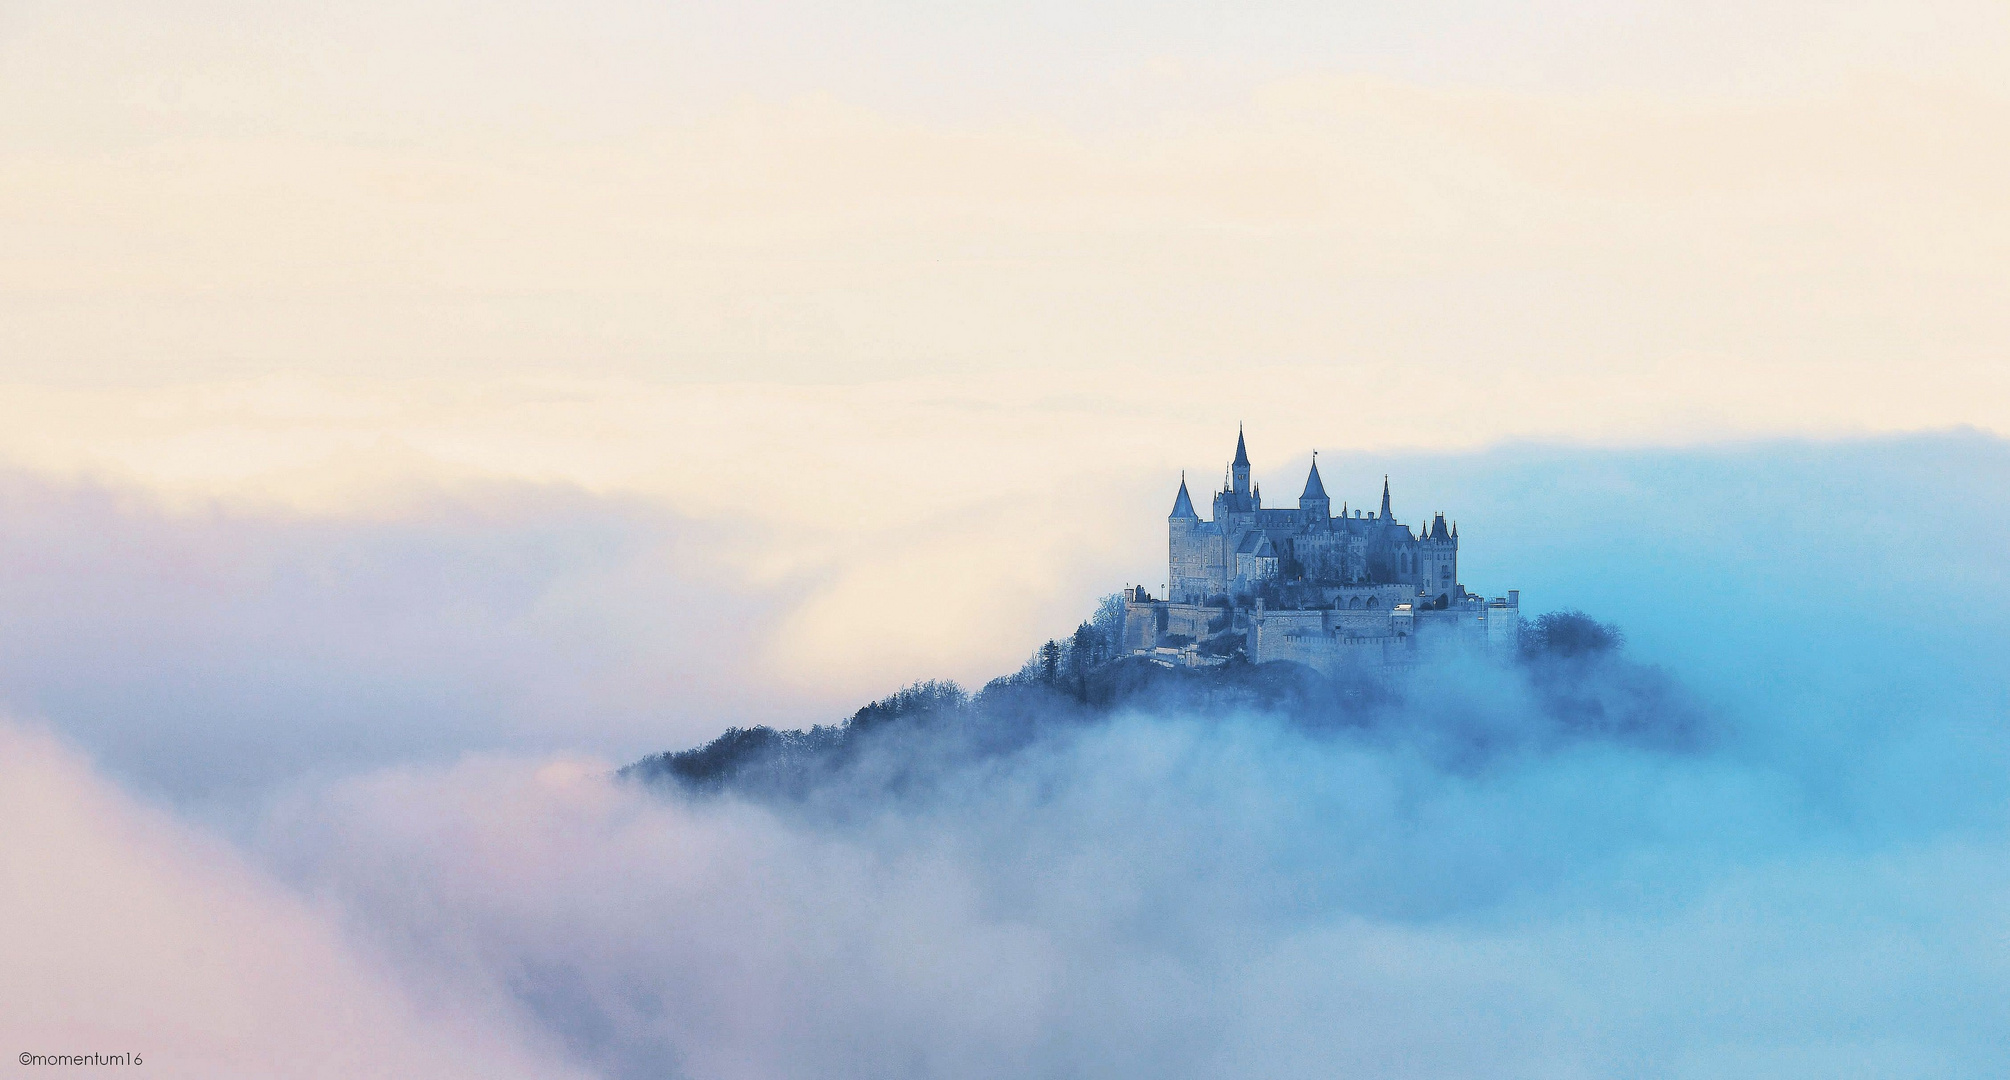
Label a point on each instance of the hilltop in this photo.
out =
(1568, 680)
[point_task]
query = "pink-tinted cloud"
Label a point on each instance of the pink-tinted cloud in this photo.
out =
(131, 933)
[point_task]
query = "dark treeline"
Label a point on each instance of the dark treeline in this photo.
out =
(1576, 682)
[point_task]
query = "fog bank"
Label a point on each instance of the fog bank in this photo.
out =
(1814, 886)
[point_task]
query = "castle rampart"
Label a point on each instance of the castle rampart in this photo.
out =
(1351, 592)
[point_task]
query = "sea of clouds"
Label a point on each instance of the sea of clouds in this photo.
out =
(1811, 881)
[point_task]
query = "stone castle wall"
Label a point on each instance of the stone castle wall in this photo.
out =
(1360, 589)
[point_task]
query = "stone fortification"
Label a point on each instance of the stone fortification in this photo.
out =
(1345, 592)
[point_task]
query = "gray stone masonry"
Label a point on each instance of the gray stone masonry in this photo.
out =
(1351, 591)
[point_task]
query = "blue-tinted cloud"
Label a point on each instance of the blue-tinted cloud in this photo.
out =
(1816, 890)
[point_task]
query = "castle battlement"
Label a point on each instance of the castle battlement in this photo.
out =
(1336, 592)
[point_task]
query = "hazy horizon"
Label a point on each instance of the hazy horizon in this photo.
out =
(411, 412)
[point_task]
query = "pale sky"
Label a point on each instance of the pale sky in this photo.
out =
(411, 409)
(921, 291)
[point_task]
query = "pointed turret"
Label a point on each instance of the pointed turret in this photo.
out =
(1183, 505)
(1385, 499)
(1314, 487)
(1239, 469)
(1314, 501)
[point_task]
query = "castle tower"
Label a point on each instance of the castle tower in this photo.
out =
(1439, 564)
(1184, 557)
(1452, 538)
(1240, 469)
(1386, 516)
(1313, 501)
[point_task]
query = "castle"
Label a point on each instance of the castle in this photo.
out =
(1351, 592)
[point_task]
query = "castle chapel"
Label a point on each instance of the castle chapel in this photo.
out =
(1306, 584)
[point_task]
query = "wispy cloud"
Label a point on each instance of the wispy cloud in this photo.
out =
(190, 642)
(220, 649)
(134, 934)
(1815, 887)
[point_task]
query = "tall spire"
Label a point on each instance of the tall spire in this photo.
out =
(1183, 506)
(1239, 469)
(1385, 497)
